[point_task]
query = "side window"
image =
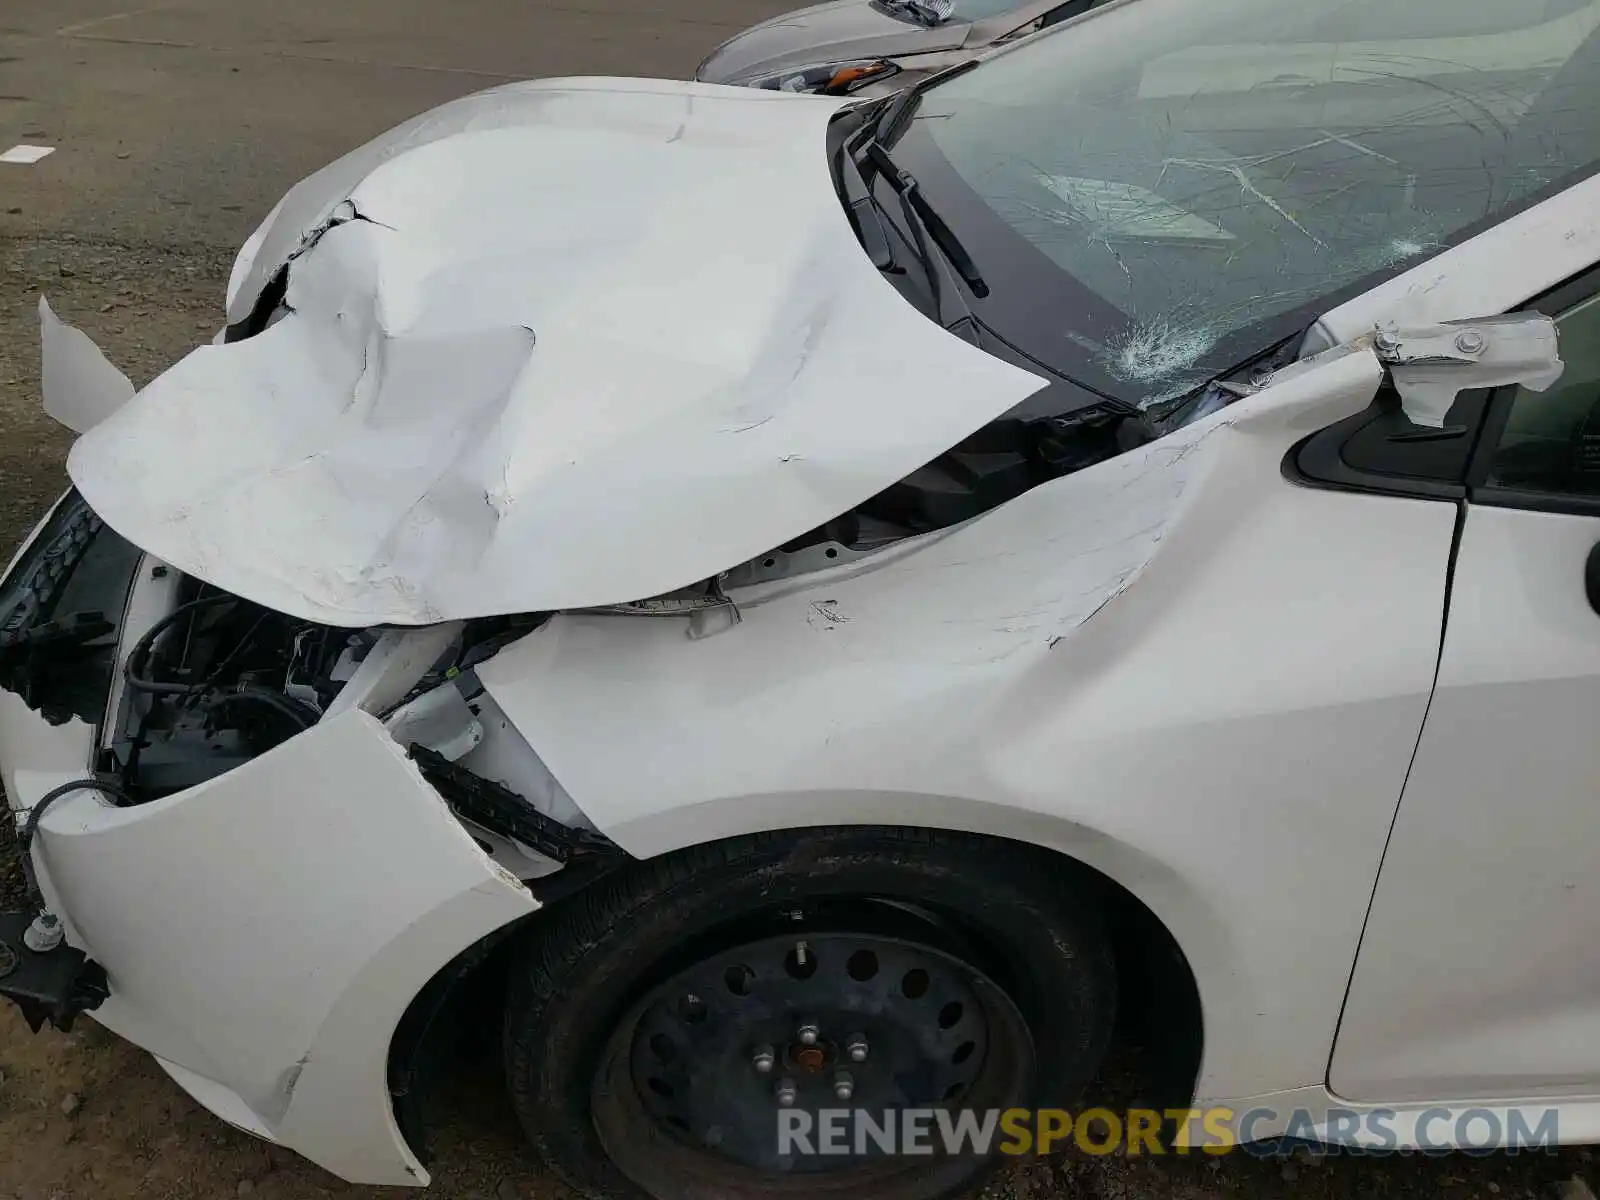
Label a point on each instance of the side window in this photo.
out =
(1550, 441)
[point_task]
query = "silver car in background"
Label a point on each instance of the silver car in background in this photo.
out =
(868, 46)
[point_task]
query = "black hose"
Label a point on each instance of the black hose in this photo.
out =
(196, 691)
(134, 666)
(36, 812)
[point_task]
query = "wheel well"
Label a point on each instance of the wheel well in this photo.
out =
(1154, 1060)
(1160, 1031)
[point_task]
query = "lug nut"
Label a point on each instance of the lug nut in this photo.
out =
(857, 1048)
(763, 1059)
(808, 1035)
(1470, 341)
(844, 1086)
(785, 1092)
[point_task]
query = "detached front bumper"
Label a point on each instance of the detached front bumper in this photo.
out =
(262, 934)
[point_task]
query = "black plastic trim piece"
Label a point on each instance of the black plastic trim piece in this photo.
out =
(55, 986)
(1494, 427)
(60, 610)
(496, 807)
(1319, 460)
(32, 592)
(1307, 465)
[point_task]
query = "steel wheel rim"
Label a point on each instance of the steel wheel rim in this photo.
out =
(681, 1095)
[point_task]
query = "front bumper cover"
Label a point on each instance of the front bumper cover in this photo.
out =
(262, 934)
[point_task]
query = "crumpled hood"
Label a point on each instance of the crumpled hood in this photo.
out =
(838, 31)
(561, 344)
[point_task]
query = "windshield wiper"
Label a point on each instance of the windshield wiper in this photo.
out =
(875, 136)
(884, 129)
(883, 119)
(862, 209)
(922, 215)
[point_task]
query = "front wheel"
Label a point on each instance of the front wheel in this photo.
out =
(693, 1027)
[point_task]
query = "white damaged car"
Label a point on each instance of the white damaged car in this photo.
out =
(843, 602)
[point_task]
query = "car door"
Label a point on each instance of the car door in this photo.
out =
(1478, 974)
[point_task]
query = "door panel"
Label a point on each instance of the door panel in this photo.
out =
(1479, 972)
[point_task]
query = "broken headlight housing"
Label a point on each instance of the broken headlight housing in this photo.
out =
(827, 79)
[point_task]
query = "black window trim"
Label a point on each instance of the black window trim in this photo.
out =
(1317, 461)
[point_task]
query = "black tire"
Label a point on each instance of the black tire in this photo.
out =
(1027, 916)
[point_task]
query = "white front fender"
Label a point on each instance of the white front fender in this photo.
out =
(1174, 666)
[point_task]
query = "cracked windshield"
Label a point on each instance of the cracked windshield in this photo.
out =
(1211, 170)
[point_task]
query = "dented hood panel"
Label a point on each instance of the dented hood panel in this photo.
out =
(561, 344)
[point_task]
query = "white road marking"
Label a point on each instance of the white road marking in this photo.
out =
(70, 30)
(26, 154)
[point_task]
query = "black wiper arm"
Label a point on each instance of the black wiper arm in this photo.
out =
(862, 210)
(906, 186)
(900, 105)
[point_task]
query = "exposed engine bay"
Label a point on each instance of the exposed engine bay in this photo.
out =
(186, 683)
(219, 680)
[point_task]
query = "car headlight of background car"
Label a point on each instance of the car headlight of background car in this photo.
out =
(829, 79)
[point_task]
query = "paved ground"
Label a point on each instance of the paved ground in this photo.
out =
(177, 125)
